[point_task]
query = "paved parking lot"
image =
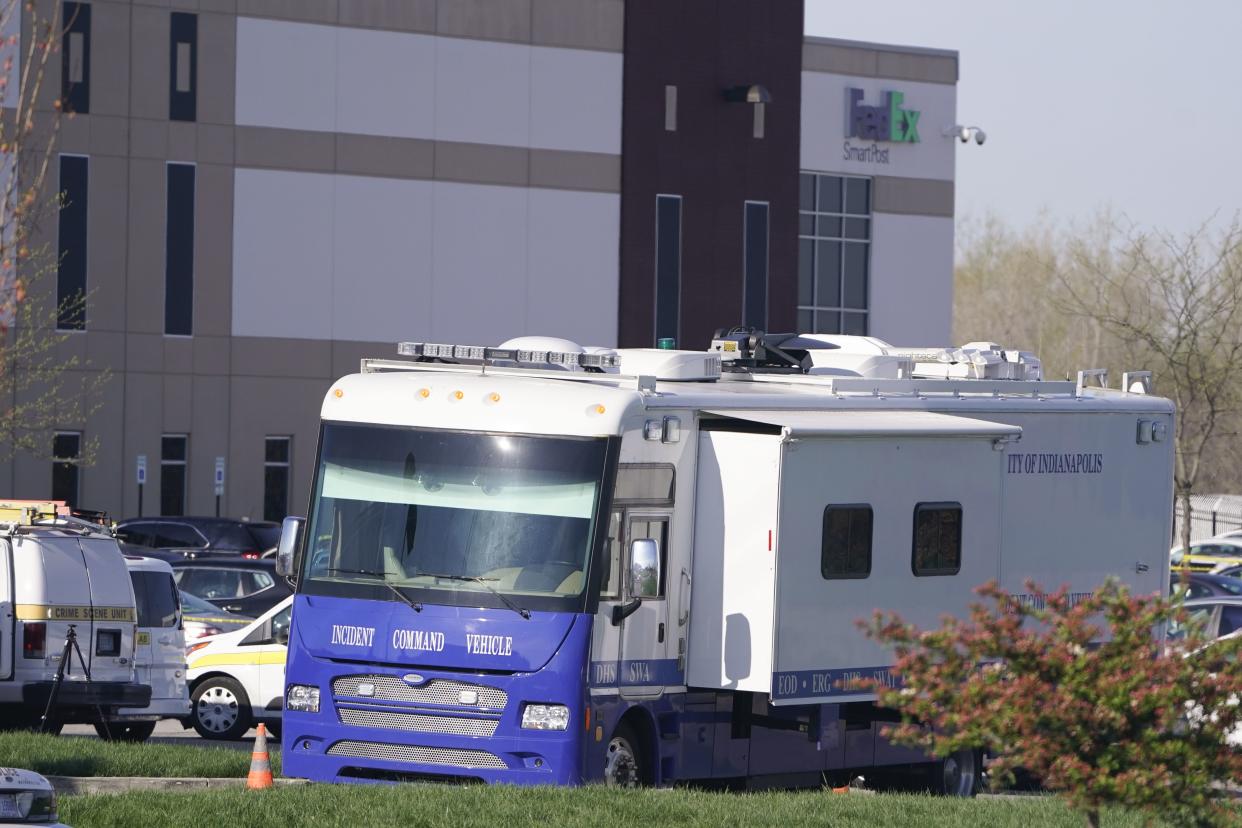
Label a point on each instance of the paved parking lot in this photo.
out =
(172, 733)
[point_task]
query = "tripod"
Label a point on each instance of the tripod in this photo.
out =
(71, 647)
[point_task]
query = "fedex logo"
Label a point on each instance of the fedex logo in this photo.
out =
(886, 122)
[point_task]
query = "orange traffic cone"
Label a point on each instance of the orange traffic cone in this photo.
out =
(260, 763)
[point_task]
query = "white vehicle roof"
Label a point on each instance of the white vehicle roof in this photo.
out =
(142, 563)
(16, 779)
(552, 394)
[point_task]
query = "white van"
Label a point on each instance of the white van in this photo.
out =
(58, 576)
(159, 652)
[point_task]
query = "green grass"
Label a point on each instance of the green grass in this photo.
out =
(443, 805)
(79, 756)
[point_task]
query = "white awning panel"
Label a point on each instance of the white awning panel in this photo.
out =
(872, 423)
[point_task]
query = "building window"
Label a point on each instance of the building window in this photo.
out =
(834, 254)
(172, 474)
(668, 267)
(845, 546)
(71, 244)
(276, 478)
(179, 251)
(755, 260)
(75, 58)
(66, 451)
(670, 109)
(183, 67)
(937, 539)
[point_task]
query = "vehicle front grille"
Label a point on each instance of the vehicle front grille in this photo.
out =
(454, 757)
(444, 692)
(401, 720)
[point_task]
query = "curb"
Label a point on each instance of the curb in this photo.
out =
(73, 785)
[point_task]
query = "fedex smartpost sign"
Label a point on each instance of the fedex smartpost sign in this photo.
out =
(887, 121)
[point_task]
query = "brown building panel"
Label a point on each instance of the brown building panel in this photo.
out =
(712, 160)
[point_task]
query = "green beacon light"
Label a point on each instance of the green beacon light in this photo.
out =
(666, 343)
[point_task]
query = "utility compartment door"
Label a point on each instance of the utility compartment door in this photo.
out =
(731, 605)
(927, 496)
(8, 626)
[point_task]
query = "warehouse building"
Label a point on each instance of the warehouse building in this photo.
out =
(261, 192)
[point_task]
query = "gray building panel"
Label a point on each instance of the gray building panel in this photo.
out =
(579, 24)
(912, 196)
(272, 148)
(148, 78)
(110, 32)
(309, 11)
(879, 61)
(217, 57)
(485, 19)
(385, 156)
(144, 285)
(391, 15)
(213, 250)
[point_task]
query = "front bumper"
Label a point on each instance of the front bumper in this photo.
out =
(314, 748)
(82, 701)
(174, 708)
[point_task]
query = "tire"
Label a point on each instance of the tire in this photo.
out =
(958, 774)
(125, 731)
(220, 709)
(623, 762)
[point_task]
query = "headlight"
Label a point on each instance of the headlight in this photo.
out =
(545, 717)
(302, 697)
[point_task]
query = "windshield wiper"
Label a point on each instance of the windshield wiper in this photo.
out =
(522, 611)
(380, 576)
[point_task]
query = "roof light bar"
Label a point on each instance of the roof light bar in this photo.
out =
(478, 353)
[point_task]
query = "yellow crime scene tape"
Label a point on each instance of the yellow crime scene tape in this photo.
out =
(53, 612)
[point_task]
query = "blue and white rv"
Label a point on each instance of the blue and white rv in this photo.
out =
(542, 563)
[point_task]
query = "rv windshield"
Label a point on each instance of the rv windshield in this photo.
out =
(467, 519)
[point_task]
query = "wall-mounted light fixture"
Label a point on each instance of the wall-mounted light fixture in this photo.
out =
(755, 94)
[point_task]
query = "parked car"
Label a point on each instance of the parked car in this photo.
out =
(237, 585)
(1204, 584)
(1216, 616)
(159, 653)
(201, 535)
(238, 679)
(27, 797)
(1207, 554)
(201, 618)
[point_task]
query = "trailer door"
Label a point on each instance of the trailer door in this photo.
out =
(644, 634)
(8, 626)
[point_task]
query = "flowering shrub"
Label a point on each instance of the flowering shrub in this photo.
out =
(1129, 721)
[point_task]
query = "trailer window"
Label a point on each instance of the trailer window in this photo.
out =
(845, 548)
(610, 586)
(937, 539)
(649, 484)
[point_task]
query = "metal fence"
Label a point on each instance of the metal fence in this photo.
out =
(1210, 515)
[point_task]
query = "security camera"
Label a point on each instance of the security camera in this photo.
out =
(980, 136)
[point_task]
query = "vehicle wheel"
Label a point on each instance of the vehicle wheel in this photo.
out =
(623, 767)
(958, 774)
(221, 709)
(125, 731)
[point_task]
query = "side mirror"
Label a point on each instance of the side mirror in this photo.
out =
(290, 541)
(644, 568)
